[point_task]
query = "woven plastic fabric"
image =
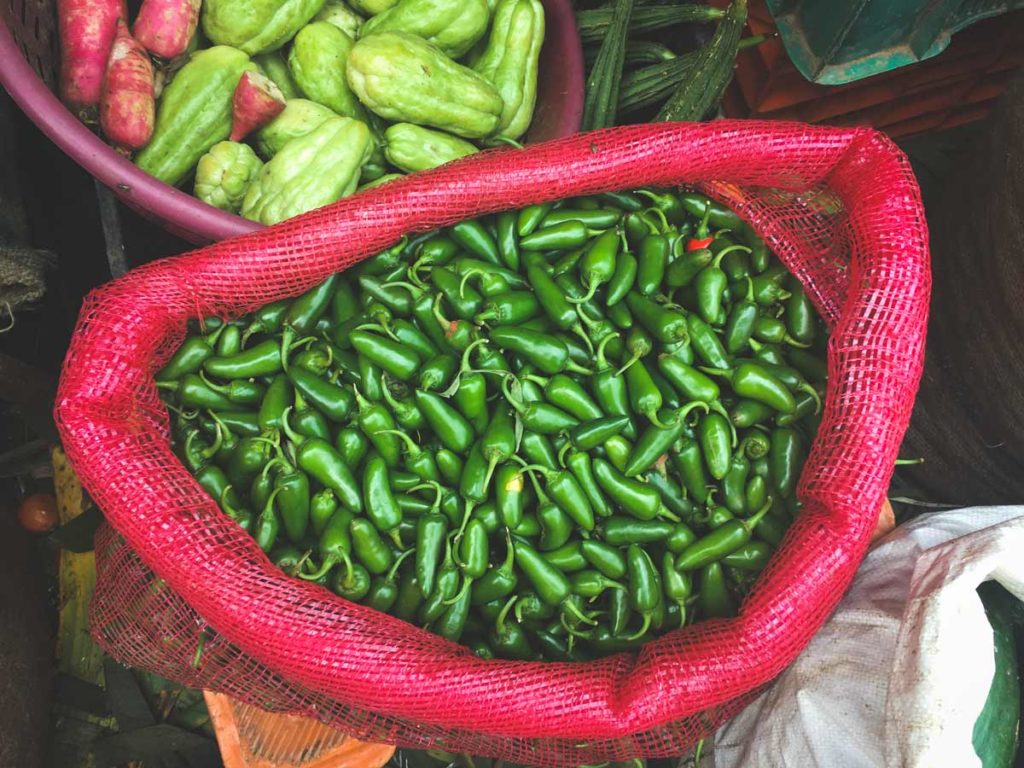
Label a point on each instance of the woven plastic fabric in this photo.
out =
(188, 594)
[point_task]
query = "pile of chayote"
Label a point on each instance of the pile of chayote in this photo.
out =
(371, 87)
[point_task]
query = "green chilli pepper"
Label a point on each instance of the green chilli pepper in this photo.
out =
(451, 624)
(742, 319)
(509, 486)
(619, 613)
(568, 395)
(710, 284)
(566, 492)
(322, 507)
(378, 499)
(644, 592)
(597, 265)
(548, 353)
(567, 558)
(400, 361)
(618, 449)
(450, 465)
(579, 464)
(352, 445)
(754, 382)
(188, 358)
(673, 496)
(509, 308)
(784, 459)
(194, 392)
(318, 458)
(508, 239)
(689, 463)
(293, 501)
(557, 237)
(714, 598)
(450, 426)
(666, 325)
(706, 344)
(687, 380)
(716, 440)
(499, 581)
(645, 397)
(464, 300)
(684, 269)
(753, 556)
(369, 548)
(353, 584)
(538, 450)
(591, 434)
(333, 401)
(622, 281)
(446, 585)
(539, 417)
(749, 413)
(268, 524)
(638, 499)
(551, 584)
(556, 527)
(655, 441)
(677, 585)
(723, 540)
(334, 545)
(474, 237)
(509, 639)
(377, 424)
(607, 559)
(620, 531)
(653, 259)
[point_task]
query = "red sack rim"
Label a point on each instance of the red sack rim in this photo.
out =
(115, 430)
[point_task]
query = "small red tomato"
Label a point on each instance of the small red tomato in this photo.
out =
(38, 513)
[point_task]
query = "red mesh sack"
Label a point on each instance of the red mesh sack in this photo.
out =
(184, 592)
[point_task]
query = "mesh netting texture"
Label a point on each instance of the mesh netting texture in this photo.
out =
(183, 591)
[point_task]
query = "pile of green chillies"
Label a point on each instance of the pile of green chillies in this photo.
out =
(550, 433)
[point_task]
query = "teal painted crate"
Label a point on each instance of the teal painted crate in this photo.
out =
(839, 41)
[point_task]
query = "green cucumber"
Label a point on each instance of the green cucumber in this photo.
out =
(712, 71)
(595, 23)
(602, 91)
(653, 84)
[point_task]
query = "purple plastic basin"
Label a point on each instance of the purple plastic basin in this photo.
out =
(28, 34)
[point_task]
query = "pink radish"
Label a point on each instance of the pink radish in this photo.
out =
(165, 27)
(128, 103)
(256, 102)
(86, 29)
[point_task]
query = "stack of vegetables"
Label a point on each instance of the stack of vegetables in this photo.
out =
(633, 77)
(549, 433)
(327, 99)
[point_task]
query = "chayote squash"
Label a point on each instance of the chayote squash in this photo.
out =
(224, 174)
(256, 26)
(275, 67)
(509, 62)
(379, 180)
(415, 148)
(300, 116)
(310, 171)
(336, 12)
(317, 63)
(372, 7)
(405, 79)
(452, 25)
(194, 112)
